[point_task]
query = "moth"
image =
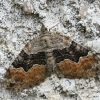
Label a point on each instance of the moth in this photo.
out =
(48, 54)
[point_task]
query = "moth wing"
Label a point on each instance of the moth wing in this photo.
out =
(29, 68)
(75, 61)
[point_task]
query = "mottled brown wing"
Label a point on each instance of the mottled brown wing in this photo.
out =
(29, 68)
(75, 61)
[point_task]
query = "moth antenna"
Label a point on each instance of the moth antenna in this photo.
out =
(43, 28)
(53, 26)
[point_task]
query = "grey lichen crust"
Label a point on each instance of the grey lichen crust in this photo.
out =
(80, 20)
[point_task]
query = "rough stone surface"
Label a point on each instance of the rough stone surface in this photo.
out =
(20, 20)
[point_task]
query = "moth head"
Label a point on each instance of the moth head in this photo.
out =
(44, 30)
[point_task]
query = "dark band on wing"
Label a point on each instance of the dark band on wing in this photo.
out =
(74, 52)
(27, 61)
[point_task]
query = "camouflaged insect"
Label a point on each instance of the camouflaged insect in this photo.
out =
(46, 54)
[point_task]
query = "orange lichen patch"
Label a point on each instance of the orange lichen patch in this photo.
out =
(81, 69)
(21, 79)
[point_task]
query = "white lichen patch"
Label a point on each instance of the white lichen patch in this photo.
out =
(95, 44)
(20, 21)
(87, 85)
(67, 84)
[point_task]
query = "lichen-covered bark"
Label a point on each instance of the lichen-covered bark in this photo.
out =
(21, 20)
